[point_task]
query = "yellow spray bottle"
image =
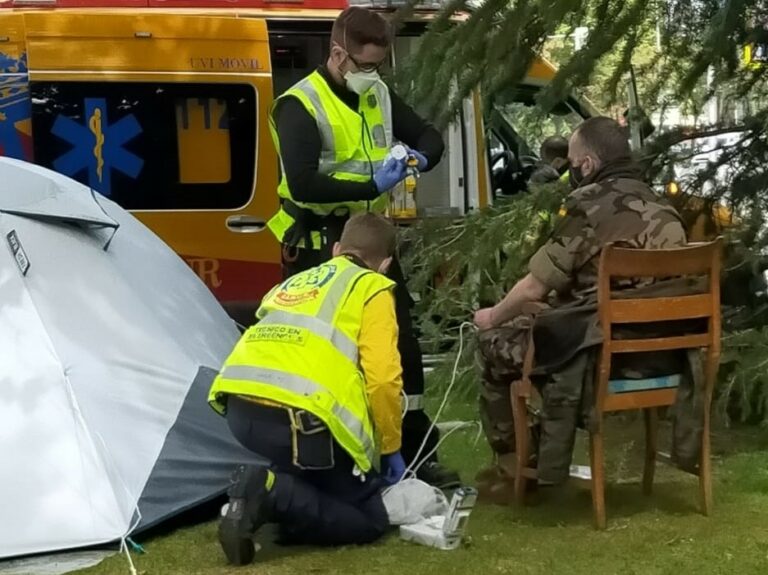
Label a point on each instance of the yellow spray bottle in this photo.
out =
(403, 198)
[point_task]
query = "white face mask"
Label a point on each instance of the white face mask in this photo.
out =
(361, 82)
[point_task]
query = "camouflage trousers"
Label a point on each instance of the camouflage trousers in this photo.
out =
(567, 400)
(500, 357)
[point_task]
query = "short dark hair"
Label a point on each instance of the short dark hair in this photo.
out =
(553, 148)
(604, 138)
(355, 27)
(370, 237)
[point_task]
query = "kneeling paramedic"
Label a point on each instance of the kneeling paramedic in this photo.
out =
(314, 387)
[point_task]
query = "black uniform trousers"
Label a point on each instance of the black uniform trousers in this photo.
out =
(416, 422)
(315, 499)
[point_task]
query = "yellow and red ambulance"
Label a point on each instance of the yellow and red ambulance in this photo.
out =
(162, 106)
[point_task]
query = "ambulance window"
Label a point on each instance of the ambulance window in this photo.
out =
(533, 125)
(150, 146)
(295, 56)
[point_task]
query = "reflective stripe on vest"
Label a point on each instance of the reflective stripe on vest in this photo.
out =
(317, 326)
(303, 386)
(413, 402)
(357, 167)
(321, 118)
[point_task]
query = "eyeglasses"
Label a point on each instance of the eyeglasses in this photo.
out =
(366, 66)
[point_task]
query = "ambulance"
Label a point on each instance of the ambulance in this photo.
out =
(162, 106)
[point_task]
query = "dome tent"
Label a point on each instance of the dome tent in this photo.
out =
(108, 344)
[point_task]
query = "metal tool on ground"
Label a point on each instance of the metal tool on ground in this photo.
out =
(444, 531)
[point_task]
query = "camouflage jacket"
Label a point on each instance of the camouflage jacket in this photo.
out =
(621, 210)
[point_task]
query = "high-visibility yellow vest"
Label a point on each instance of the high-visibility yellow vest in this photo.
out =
(303, 353)
(354, 144)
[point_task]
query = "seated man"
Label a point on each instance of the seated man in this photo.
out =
(554, 160)
(314, 387)
(610, 204)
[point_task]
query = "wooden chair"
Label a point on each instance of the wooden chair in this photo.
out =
(645, 394)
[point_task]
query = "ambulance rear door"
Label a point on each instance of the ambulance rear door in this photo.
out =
(166, 114)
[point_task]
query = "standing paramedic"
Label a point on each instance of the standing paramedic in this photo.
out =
(333, 131)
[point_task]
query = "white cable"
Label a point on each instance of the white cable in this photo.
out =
(434, 449)
(416, 463)
(406, 402)
(479, 434)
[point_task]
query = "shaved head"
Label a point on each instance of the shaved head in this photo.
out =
(596, 142)
(602, 138)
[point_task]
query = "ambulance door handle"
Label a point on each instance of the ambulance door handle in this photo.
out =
(245, 224)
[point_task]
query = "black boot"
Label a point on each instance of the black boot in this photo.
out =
(438, 476)
(246, 512)
(416, 424)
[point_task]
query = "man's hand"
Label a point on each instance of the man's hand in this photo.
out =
(392, 467)
(527, 290)
(484, 318)
(389, 175)
(420, 158)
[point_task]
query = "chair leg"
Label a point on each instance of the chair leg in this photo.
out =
(519, 414)
(705, 465)
(651, 431)
(597, 464)
(705, 470)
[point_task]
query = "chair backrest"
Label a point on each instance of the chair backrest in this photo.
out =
(692, 260)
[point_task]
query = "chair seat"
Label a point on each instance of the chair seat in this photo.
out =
(629, 385)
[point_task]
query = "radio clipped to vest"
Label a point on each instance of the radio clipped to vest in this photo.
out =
(402, 201)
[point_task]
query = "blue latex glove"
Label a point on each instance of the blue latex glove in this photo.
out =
(392, 467)
(389, 175)
(420, 157)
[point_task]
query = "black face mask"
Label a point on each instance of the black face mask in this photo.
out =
(575, 177)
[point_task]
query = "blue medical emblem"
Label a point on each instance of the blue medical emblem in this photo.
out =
(98, 146)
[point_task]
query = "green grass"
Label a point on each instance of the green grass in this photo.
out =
(659, 534)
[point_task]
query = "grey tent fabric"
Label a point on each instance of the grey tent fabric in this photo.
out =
(103, 423)
(191, 450)
(32, 191)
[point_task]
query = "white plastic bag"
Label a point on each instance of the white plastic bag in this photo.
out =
(412, 500)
